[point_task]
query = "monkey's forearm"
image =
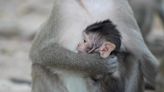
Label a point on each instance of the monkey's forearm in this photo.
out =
(57, 56)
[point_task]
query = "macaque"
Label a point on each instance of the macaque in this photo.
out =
(102, 38)
(58, 68)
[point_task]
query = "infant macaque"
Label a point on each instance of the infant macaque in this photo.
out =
(102, 38)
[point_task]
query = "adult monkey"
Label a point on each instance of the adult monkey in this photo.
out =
(56, 69)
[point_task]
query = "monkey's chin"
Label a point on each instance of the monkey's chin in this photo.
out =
(104, 56)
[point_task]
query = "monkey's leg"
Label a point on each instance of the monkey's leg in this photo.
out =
(134, 78)
(45, 81)
(129, 79)
(131, 76)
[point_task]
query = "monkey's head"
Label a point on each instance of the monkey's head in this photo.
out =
(102, 37)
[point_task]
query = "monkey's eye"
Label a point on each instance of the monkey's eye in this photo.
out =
(85, 41)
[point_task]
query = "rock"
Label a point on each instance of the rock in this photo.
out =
(9, 29)
(7, 86)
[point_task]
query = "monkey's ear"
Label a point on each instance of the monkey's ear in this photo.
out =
(106, 49)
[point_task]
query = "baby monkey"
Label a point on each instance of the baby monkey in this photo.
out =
(102, 38)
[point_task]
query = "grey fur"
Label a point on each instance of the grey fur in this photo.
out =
(54, 47)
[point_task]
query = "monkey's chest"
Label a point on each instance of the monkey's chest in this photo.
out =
(76, 81)
(77, 16)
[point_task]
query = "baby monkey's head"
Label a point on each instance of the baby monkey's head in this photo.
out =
(101, 37)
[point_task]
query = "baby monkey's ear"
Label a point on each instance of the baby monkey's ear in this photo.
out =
(106, 49)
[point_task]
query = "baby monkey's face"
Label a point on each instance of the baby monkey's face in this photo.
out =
(92, 44)
(86, 44)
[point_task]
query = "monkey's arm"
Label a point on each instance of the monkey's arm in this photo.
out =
(57, 56)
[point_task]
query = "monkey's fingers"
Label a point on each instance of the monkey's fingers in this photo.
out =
(112, 64)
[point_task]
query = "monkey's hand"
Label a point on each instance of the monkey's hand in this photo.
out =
(112, 64)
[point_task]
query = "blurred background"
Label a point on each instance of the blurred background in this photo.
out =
(20, 20)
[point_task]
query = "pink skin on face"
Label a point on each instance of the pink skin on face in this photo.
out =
(85, 45)
(82, 48)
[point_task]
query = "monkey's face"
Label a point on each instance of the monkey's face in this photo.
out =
(91, 44)
(86, 44)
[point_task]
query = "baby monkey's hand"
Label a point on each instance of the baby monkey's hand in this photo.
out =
(112, 64)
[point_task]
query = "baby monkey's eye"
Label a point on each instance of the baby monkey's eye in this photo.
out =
(85, 41)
